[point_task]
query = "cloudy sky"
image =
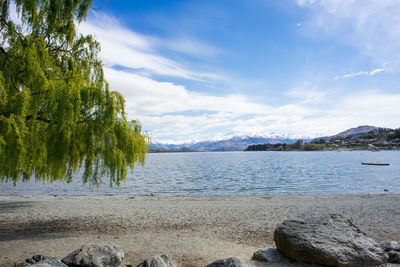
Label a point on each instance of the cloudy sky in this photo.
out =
(198, 69)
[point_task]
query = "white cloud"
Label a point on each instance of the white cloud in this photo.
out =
(375, 71)
(371, 26)
(190, 46)
(126, 48)
(307, 94)
(367, 108)
(146, 96)
(367, 73)
(373, 106)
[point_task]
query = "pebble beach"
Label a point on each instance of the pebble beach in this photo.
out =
(193, 231)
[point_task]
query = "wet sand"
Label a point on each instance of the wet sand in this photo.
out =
(193, 231)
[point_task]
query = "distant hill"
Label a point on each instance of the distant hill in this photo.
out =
(363, 129)
(356, 131)
(231, 143)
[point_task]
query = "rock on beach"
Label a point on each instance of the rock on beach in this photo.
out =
(229, 262)
(392, 248)
(42, 261)
(328, 240)
(95, 256)
(157, 261)
(268, 255)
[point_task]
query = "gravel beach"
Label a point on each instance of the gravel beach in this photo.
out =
(193, 231)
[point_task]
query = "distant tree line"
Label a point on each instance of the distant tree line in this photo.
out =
(296, 146)
(164, 150)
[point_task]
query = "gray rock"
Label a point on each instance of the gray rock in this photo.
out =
(267, 254)
(229, 262)
(328, 240)
(42, 261)
(50, 262)
(95, 256)
(394, 256)
(390, 246)
(157, 261)
(37, 258)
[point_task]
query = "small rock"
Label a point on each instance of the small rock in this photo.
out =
(157, 261)
(50, 262)
(95, 256)
(394, 256)
(267, 254)
(42, 261)
(47, 263)
(30, 261)
(229, 262)
(38, 258)
(390, 246)
(327, 239)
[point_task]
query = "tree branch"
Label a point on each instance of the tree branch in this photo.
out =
(43, 119)
(38, 118)
(13, 82)
(5, 24)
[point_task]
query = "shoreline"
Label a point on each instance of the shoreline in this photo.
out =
(143, 196)
(192, 230)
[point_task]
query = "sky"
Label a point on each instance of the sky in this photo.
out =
(201, 69)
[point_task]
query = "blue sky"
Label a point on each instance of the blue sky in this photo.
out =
(195, 70)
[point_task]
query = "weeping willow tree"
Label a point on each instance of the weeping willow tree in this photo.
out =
(57, 113)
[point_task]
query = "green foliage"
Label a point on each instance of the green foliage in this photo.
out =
(57, 113)
(266, 147)
(295, 146)
(312, 147)
(286, 147)
(395, 134)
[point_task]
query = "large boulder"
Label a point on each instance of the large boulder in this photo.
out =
(327, 239)
(95, 256)
(157, 261)
(229, 262)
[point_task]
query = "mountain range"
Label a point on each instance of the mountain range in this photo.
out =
(233, 142)
(229, 142)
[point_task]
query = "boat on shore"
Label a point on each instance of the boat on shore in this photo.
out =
(376, 164)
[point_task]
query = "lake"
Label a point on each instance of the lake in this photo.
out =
(241, 174)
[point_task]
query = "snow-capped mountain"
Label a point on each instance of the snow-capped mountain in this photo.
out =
(232, 142)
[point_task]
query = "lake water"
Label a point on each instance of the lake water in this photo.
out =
(241, 173)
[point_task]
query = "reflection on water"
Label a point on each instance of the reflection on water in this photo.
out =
(242, 173)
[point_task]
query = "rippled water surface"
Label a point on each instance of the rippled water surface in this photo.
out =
(241, 173)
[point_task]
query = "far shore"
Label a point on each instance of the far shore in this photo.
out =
(193, 231)
(323, 150)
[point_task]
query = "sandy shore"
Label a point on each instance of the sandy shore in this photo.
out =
(192, 231)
